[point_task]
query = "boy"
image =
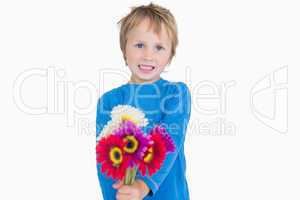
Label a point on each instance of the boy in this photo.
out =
(148, 40)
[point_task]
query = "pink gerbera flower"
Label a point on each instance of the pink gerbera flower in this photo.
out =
(136, 142)
(170, 146)
(154, 156)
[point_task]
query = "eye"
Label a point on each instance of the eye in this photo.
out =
(159, 47)
(139, 45)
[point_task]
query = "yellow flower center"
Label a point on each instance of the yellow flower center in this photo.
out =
(116, 156)
(149, 155)
(126, 117)
(131, 144)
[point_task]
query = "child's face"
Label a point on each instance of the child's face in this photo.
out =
(147, 53)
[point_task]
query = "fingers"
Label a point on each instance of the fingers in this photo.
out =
(125, 189)
(121, 196)
(117, 185)
(126, 192)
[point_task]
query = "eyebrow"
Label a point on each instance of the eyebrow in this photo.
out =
(157, 43)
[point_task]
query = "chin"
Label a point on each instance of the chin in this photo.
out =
(146, 78)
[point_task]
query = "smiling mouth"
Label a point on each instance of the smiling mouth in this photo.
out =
(146, 68)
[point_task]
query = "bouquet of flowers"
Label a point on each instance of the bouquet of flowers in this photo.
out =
(123, 148)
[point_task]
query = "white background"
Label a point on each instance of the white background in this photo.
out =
(50, 155)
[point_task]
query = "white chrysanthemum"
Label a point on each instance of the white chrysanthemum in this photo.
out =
(118, 115)
(109, 128)
(126, 112)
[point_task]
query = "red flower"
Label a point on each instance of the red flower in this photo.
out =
(110, 154)
(170, 146)
(136, 141)
(154, 156)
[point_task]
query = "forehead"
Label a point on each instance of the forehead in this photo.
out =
(147, 29)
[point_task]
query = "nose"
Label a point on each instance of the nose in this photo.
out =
(148, 54)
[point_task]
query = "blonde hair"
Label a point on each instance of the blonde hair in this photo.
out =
(157, 15)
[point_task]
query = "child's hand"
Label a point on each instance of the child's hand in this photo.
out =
(137, 191)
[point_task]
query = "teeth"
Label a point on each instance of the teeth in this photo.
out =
(146, 67)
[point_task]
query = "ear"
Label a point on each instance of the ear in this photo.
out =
(125, 60)
(169, 61)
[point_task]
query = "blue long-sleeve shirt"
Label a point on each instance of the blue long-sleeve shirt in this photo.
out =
(165, 103)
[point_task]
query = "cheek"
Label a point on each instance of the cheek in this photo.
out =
(132, 55)
(164, 60)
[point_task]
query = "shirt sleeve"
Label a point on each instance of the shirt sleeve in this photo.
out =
(103, 114)
(102, 117)
(176, 111)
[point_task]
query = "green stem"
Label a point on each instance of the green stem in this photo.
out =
(130, 175)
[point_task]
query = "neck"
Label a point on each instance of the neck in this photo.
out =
(137, 80)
